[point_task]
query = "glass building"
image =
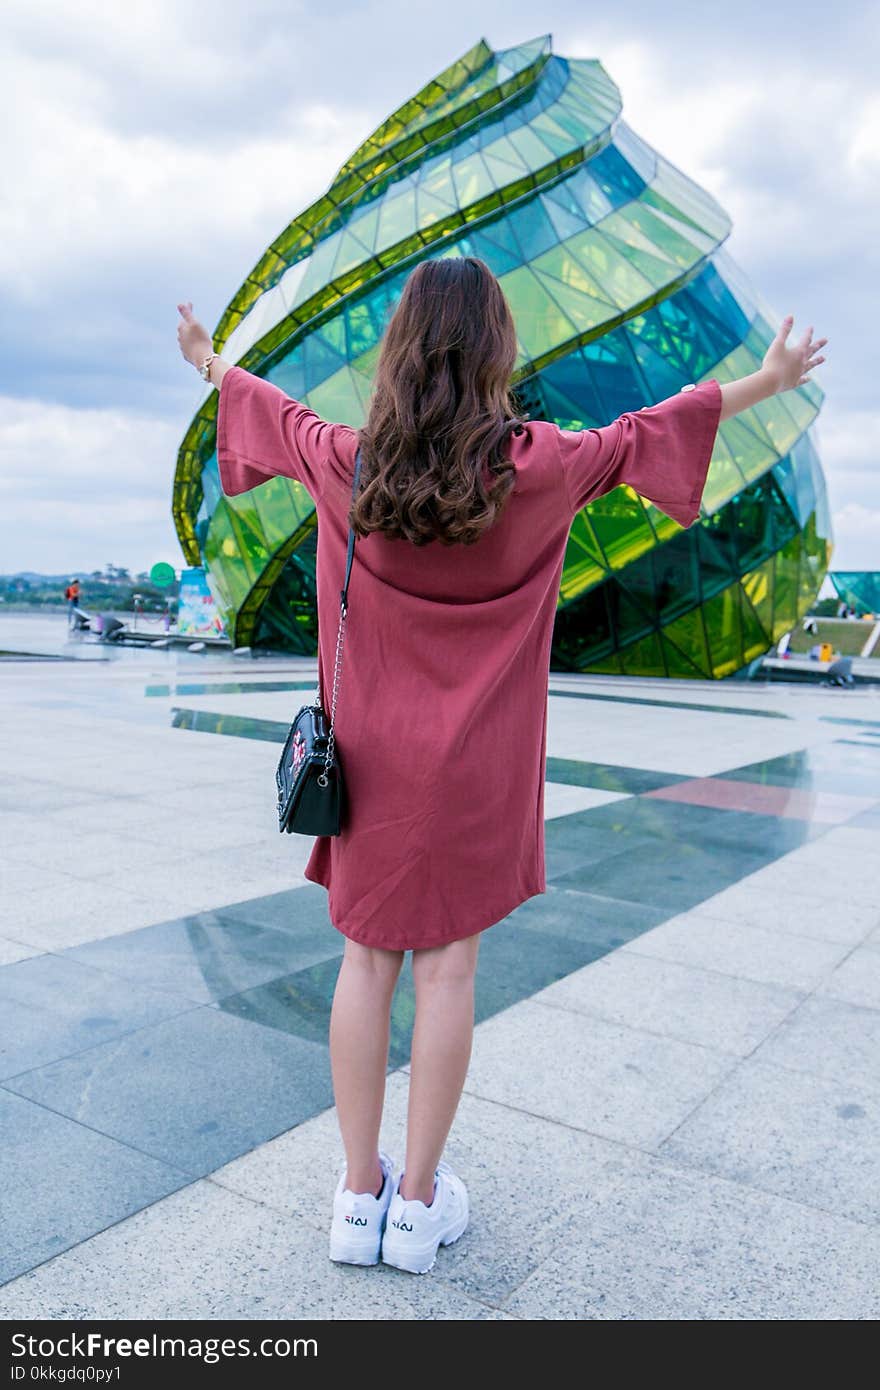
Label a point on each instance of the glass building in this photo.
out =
(614, 266)
(859, 588)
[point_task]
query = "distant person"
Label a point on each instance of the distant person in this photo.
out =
(71, 593)
(463, 510)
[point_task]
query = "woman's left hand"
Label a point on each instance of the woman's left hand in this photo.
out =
(790, 366)
(194, 339)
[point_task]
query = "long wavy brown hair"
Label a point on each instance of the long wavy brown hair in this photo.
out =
(434, 446)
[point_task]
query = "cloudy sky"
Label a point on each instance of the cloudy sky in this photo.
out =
(154, 149)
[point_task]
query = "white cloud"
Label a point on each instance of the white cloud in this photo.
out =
(89, 196)
(856, 537)
(79, 487)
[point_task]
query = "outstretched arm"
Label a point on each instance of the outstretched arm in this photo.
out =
(783, 367)
(195, 344)
(262, 432)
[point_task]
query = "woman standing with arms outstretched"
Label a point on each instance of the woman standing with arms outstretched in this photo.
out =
(462, 517)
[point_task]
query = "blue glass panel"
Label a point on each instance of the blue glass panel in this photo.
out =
(615, 176)
(532, 228)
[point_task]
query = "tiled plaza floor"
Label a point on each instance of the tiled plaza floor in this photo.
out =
(673, 1108)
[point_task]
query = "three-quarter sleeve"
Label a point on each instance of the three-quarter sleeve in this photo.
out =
(662, 451)
(262, 433)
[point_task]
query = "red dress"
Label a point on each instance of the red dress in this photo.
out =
(441, 719)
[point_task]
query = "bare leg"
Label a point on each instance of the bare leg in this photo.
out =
(441, 1051)
(360, 1027)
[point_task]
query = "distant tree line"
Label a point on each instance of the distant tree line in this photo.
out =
(114, 588)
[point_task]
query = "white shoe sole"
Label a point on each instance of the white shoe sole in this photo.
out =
(420, 1261)
(352, 1252)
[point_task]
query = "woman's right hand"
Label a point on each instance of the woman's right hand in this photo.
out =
(193, 339)
(789, 365)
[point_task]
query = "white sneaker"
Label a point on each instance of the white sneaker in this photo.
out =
(414, 1232)
(359, 1220)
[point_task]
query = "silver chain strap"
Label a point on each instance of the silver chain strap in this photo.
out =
(323, 778)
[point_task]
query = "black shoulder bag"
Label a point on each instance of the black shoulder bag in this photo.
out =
(311, 792)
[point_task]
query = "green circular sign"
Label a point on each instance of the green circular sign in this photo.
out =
(162, 574)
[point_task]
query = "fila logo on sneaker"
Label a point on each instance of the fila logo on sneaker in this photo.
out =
(401, 1225)
(356, 1220)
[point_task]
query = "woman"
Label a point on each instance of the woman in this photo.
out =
(462, 514)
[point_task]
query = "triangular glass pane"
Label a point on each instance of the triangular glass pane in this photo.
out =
(721, 615)
(628, 620)
(583, 310)
(758, 588)
(684, 642)
(644, 657)
(785, 587)
(755, 640)
(619, 521)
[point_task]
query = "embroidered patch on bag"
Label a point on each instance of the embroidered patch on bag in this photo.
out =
(297, 751)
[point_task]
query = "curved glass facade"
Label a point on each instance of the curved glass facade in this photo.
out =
(859, 588)
(614, 267)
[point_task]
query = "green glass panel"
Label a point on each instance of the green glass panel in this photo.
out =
(624, 227)
(559, 265)
(539, 321)
(668, 241)
(686, 634)
(678, 666)
(723, 480)
(438, 186)
(245, 525)
(755, 640)
(823, 515)
(526, 143)
(644, 657)
(350, 253)
(655, 271)
(628, 621)
(810, 572)
(637, 580)
(751, 456)
(606, 666)
(806, 491)
(503, 162)
(785, 586)
(584, 310)
(722, 618)
(777, 423)
(280, 504)
(758, 587)
(472, 180)
(337, 399)
(621, 528)
(622, 284)
(662, 526)
(224, 558)
(360, 328)
(556, 140)
(716, 555)
(397, 219)
(676, 578)
(782, 522)
(584, 565)
(700, 242)
(754, 537)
